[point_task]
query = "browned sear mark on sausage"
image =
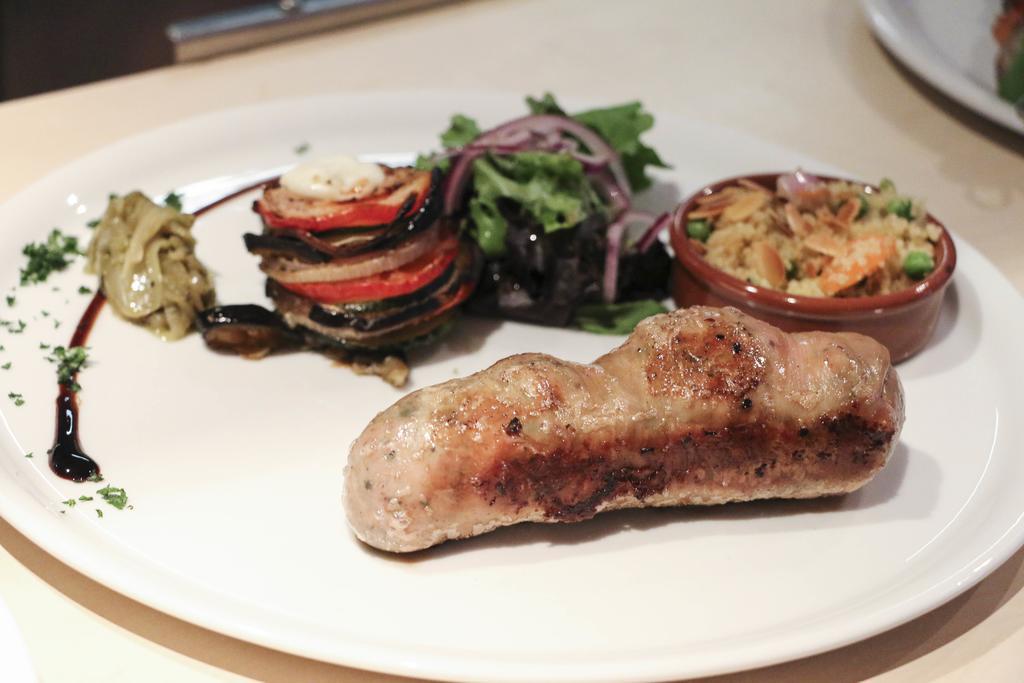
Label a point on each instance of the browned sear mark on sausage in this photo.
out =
(571, 486)
(716, 360)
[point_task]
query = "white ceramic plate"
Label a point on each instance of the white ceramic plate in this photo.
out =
(15, 663)
(948, 43)
(234, 467)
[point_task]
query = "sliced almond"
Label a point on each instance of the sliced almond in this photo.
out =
(848, 211)
(777, 219)
(706, 212)
(796, 222)
(769, 264)
(827, 218)
(726, 196)
(808, 199)
(744, 206)
(824, 243)
(751, 185)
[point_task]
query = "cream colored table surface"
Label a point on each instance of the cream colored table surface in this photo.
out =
(806, 74)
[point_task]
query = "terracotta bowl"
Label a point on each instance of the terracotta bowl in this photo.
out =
(903, 321)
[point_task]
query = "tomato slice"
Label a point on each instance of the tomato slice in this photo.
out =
(1006, 24)
(397, 282)
(282, 209)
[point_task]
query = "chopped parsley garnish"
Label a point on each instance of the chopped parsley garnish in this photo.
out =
(69, 362)
(114, 496)
(53, 255)
(6, 366)
(29, 454)
(84, 290)
(43, 346)
(45, 313)
(56, 324)
(10, 299)
(70, 502)
(302, 148)
(85, 498)
(99, 513)
(18, 399)
(93, 223)
(15, 330)
(173, 200)
(96, 477)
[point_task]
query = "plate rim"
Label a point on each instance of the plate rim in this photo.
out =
(147, 591)
(930, 66)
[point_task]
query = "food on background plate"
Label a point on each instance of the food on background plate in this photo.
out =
(817, 238)
(145, 256)
(547, 198)
(700, 406)
(1009, 34)
(359, 264)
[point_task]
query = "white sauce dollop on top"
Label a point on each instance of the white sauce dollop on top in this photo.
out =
(338, 178)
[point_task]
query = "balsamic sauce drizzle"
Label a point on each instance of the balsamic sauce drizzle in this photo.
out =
(67, 458)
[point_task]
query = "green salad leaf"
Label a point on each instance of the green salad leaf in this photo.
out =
(461, 131)
(522, 209)
(545, 105)
(550, 189)
(618, 318)
(621, 126)
(1011, 82)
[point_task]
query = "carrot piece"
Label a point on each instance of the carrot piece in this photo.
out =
(860, 258)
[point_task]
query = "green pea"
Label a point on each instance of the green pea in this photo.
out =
(864, 207)
(918, 264)
(900, 206)
(886, 185)
(699, 230)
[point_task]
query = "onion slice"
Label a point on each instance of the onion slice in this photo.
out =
(790, 185)
(613, 250)
(651, 236)
(551, 131)
(614, 243)
(291, 271)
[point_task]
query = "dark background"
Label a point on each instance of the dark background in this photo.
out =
(50, 44)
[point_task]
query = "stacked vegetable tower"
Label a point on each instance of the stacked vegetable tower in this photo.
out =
(357, 257)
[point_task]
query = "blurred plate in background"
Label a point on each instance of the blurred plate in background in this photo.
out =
(948, 43)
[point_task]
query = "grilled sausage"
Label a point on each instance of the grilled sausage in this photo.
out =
(700, 406)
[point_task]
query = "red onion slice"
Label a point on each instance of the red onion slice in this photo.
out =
(551, 130)
(613, 249)
(789, 185)
(651, 236)
(611, 190)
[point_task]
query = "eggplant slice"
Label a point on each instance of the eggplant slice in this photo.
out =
(246, 330)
